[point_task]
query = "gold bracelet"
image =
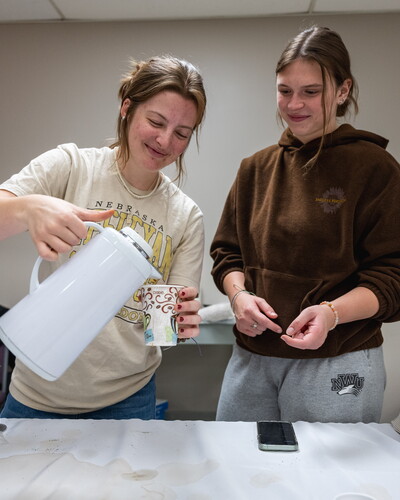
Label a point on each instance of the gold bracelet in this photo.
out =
(329, 304)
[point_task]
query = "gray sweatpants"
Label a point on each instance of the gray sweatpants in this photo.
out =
(346, 388)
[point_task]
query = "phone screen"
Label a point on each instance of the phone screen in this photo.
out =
(276, 436)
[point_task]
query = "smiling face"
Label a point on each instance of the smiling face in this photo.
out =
(159, 131)
(300, 94)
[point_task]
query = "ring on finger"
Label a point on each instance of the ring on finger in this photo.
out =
(254, 325)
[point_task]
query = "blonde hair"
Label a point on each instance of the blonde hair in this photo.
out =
(148, 78)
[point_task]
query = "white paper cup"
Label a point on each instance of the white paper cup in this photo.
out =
(159, 316)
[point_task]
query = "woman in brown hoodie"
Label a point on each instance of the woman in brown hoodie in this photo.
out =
(308, 252)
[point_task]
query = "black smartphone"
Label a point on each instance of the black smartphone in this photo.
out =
(276, 435)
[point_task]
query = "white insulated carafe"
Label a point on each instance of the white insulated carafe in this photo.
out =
(54, 323)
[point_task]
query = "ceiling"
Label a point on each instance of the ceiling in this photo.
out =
(14, 11)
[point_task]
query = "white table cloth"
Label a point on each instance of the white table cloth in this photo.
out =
(192, 460)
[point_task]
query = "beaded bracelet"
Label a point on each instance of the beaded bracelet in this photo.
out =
(235, 297)
(329, 304)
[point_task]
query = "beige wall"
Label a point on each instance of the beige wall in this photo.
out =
(58, 84)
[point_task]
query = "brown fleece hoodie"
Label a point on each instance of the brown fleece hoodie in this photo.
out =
(301, 239)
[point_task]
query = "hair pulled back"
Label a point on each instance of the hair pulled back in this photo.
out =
(147, 79)
(326, 48)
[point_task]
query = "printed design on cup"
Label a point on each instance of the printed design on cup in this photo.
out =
(159, 318)
(148, 332)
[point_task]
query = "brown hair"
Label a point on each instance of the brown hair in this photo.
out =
(326, 48)
(148, 78)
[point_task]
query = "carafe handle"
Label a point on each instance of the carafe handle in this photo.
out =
(34, 282)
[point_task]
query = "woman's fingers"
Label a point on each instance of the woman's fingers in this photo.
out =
(188, 325)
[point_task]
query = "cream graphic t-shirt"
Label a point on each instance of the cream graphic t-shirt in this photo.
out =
(117, 363)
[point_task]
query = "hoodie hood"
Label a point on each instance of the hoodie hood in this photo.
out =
(345, 134)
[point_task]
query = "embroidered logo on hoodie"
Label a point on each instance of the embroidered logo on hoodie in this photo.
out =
(347, 383)
(331, 200)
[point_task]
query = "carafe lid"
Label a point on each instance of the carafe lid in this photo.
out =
(138, 242)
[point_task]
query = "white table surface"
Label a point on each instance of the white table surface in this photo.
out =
(192, 460)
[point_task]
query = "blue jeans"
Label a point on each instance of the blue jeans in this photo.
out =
(141, 405)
